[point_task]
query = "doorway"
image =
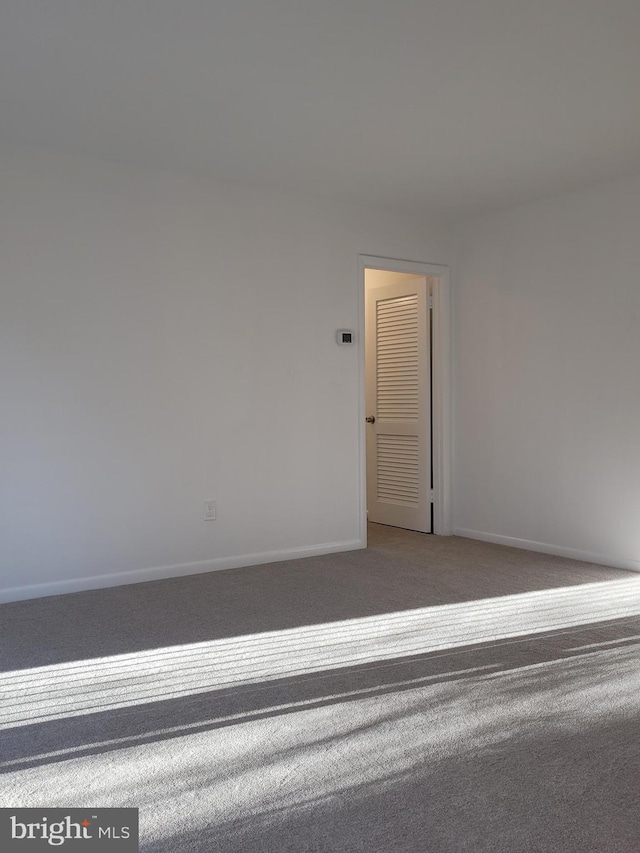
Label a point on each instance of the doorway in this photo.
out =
(405, 395)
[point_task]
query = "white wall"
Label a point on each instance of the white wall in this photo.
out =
(383, 278)
(547, 375)
(164, 342)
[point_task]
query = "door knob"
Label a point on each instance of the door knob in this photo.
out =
(371, 419)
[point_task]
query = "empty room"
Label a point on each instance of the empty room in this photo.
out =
(319, 418)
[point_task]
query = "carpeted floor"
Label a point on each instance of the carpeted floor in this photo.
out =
(427, 694)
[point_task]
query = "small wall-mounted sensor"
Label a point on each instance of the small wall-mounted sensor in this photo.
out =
(345, 336)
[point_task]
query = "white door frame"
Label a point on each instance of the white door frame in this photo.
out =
(440, 394)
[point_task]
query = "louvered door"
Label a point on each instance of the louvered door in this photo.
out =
(398, 392)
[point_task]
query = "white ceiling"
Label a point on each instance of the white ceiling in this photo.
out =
(453, 106)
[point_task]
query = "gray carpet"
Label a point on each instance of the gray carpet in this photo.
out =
(427, 694)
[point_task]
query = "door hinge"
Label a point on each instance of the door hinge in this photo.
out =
(429, 301)
(431, 496)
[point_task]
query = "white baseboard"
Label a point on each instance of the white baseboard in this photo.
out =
(556, 550)
(61, 587)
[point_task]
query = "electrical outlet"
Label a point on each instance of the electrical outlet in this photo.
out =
(209, 510)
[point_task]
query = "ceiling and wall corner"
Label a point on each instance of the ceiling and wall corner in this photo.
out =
(451, 107)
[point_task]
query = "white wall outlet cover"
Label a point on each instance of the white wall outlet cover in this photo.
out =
(345, 337)
(209, 510)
